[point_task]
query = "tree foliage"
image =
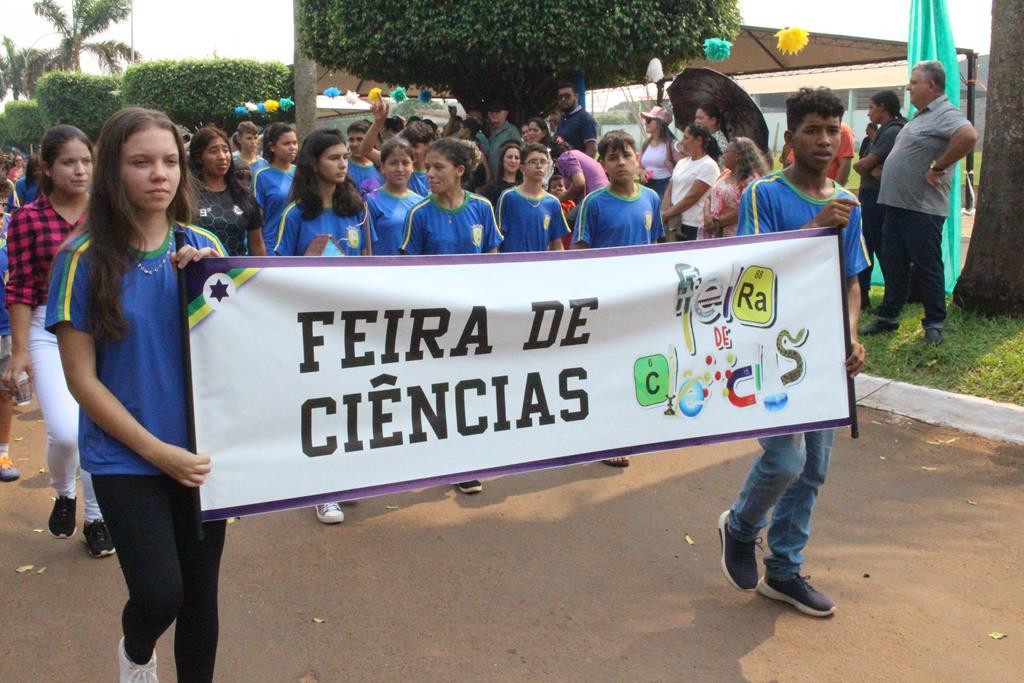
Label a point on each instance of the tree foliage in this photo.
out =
(23, 123)
(477, 50)
(194, 92)
(89, 18)
(20, 68)
(993, 281)
(82, 100)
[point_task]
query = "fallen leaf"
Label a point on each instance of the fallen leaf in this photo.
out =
(929, 469)
(38, 531)
(875, 422)
(318, 620)
(882, 457)
(971, 502)
(689, 541)
(232, 520)
(41, 570)
(25, 568)
(996, 635)
(867, 576)
(942, 442)
(390, 507)
(42, 470)
(19, 438)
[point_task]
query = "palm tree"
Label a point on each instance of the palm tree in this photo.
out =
(89, 18)
(20, 68)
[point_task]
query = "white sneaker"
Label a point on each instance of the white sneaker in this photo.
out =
(330, 513)
(132, 672)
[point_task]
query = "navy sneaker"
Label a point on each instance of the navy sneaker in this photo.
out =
(739, 563)
(470, 487)
(97, 538)
(62, 517)
(8, 472)
(798, 593)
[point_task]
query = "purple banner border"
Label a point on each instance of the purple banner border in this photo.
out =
(517, 468)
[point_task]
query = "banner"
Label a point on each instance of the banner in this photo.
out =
(325, 379)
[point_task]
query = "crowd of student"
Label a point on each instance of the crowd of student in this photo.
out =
(92, 295)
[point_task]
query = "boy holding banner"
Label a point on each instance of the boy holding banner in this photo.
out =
(622, 214)
(792, 467)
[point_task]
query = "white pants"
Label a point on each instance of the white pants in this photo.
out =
(60, 413)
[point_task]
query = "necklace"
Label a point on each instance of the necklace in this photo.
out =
(160, 265)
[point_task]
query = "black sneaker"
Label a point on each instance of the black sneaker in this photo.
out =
(933, 336)
(62, 518)
(96, 536)
(799, 594)
(879, 327)
(470, 486)
(738, 561)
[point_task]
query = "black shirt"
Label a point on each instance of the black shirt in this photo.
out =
(231, 223)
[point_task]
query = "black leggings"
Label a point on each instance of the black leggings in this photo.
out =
(170, 575)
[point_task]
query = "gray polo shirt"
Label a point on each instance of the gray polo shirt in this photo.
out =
(920, 143)
(881, 147)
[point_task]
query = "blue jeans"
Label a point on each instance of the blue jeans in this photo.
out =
(786, 476)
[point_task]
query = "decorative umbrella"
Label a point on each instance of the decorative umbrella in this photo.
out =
(740, 116)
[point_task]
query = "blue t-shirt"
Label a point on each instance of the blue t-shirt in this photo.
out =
(606, 219)
(367, 178)
(143, 370)
(469, 229)
(387, 216)
(5, 317)
(254, 168)
(296, 233)
(418, 183)
(26, 191)
(529, 223)
(773, 204)
(271, 187)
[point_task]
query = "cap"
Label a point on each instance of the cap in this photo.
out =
(658, 113)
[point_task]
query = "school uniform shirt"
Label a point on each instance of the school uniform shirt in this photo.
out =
(149, 300)
(387, 216)
(529, 223)
(606, 219)
(418, 183)
(296, 232)
(271, 187)
(469, 229)
(773, 204)
(25, 191)
(5, 317)
(367, 178)
(255, 166)
(231, 223)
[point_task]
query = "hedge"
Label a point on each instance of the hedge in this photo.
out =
(82, 100)
(198, 91)
(24, 123)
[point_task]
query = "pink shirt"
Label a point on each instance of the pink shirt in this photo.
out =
(575, 161)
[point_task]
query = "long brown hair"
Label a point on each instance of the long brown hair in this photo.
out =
(110, 219)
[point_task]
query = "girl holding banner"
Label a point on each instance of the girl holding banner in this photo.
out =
(114, 308)
(451, 220)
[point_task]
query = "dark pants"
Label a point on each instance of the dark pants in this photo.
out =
(912, 237)
(658, 185)
(687, 233)
(170, 575)
(872, 215)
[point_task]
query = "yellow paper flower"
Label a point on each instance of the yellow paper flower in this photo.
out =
(791, 40)
(272, 105)
(374, 94)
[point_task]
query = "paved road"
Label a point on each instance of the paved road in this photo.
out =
(578, 574)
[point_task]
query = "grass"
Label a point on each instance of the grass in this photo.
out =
(980, 356)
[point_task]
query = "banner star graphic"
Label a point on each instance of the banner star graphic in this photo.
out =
(219, 291)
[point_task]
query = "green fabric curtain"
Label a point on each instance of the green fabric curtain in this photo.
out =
(931, 37)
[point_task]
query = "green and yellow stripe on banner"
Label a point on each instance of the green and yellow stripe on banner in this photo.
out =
(198, 308)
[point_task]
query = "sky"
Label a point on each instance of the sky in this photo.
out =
(262, 29)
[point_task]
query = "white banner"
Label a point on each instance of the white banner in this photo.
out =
(321, 379)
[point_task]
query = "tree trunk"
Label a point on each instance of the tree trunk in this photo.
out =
(305, 84)
(992, 281)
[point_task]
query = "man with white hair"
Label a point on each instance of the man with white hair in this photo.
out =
(916, 182)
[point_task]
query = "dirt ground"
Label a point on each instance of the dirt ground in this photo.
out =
(577, 574)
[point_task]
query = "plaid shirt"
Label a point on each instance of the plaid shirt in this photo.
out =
(33, 238)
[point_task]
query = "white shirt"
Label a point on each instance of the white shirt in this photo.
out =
(654, 160)
(685, 174)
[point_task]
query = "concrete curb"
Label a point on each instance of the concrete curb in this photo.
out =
(990, 419)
